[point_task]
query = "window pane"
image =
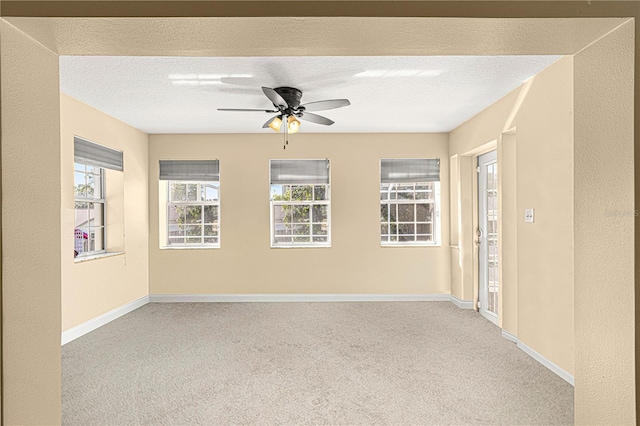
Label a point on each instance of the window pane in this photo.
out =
(407, 195)
(193, 240)
(405, 212)
(283, 240)
(79, 186)
(193, 214)
(277, 192)
(384, 212)
(176, 240)
(393, 228)
(192, 192)
(96, 215)
(282, 214)
(423, 186)
(424, 195)
(319, 192)
(211, 230)
(178, 191)
(392, 213)
(211, 240)
(319, 230)
(97, 236)
(210, 214)
(423, 228)
(81, 238)
(406, 238)
(90, 185)
(81, 214)
(301, 193)
(406, 228)
(300, 214)
(193, 230)
(427, 238)
(176, 231)
(319, 239)
(177, 215)
(210, 192)
(424, 212)
(305, 239)
(301, 230)
(320, 213)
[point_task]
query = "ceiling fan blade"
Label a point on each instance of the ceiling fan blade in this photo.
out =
(275, 97)
(315, 118)
(245, 109)
(265, 125)
(325, 105)
(239, 81)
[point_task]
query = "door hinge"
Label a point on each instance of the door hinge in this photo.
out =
(478, 169)
(479, 305)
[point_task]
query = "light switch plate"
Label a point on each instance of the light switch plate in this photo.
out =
(528, 215)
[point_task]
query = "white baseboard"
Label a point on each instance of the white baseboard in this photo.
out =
(547, 363)
(173, 298)
(92, 324)
(462, 304)
(510, 337)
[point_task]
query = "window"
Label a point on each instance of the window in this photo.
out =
(89, 230)
(409, 201)
(300, 203)
(90, 162)
(193, 202)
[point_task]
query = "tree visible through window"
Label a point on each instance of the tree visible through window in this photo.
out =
(300, 214)
(193, 216)
(300, 203)
(409, 201)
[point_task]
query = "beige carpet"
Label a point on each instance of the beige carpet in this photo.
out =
(306, 363)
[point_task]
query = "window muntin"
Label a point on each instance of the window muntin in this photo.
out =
(193, 214)
(409, 213)
(89, 223)
(300, 215)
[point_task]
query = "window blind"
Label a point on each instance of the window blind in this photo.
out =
(195, 170)
(295, 172)
(90, 153)
(402, 170)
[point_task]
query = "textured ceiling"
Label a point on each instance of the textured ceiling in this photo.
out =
(388, 94)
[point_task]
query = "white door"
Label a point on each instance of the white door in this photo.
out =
(488, 235)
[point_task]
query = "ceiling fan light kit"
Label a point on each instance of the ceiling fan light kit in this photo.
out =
(286, 100)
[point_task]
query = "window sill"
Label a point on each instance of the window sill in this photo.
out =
(409, 245)
(301, 246)
(190, 248)
(81, 259)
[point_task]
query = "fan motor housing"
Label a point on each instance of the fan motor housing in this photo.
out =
(291, 95)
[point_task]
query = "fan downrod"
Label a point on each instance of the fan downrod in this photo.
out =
(291, 95)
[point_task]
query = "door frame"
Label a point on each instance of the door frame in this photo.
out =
(491, 157)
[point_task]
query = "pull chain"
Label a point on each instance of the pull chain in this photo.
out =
(286, 133)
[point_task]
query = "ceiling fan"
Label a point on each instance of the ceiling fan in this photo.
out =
(286, 101)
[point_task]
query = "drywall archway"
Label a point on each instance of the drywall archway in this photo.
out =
(30, 312)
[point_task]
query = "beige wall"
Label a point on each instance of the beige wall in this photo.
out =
(245, 263)
(30, 239)
(94, 287)
(542, 112)
(604, 223)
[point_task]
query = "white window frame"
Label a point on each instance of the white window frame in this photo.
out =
(196, 203)
(101, 201)
(435, 222)
(326, 202)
